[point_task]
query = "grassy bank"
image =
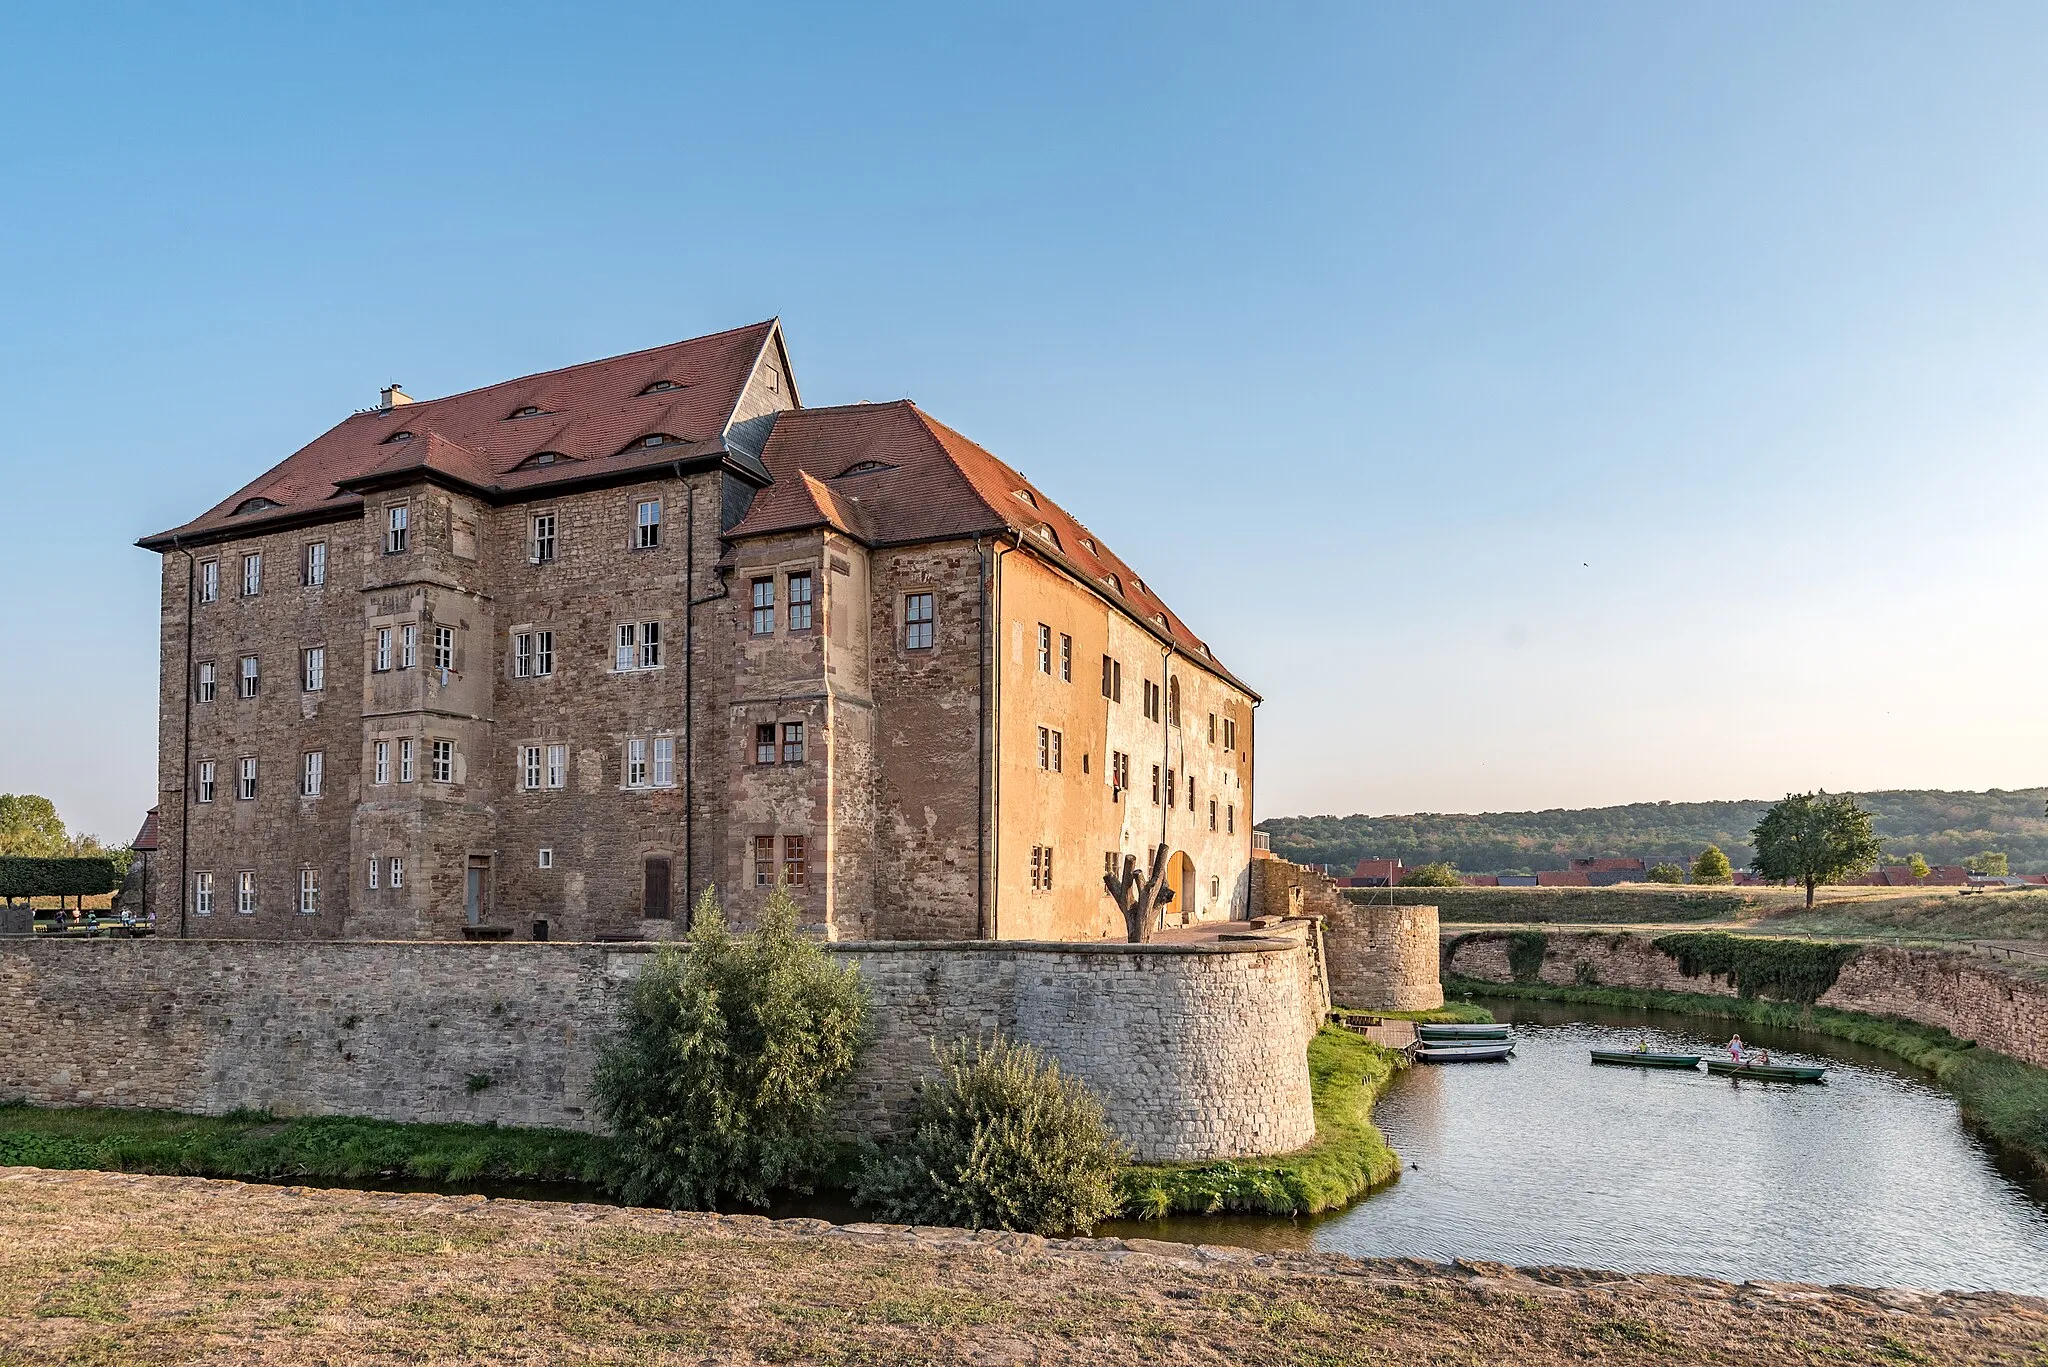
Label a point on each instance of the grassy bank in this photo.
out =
(2007, 1098)
(262, 1147)
(1349, 1158)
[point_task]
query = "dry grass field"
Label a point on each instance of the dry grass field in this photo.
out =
(97, 1268)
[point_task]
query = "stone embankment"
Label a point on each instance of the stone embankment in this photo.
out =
(1199, 1050)
(1971, 998)
(116, 1269)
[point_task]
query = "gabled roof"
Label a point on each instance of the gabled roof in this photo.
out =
(891, 474)
(145, 839)
(592, 418)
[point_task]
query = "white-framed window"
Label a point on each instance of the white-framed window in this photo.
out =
(206, 681)
(639, 646)
(1049, 749)
(209, 581)
(545, 859)
(764, 861)
(1151, 701)
(404, 762)
(380, 762)
(664, 762)
(764, 742)
(522, 655)
(1229, 734)
(543, 653)
(408, 645)
(1041, 868)
(917, 621)
(1044, 648)
(246, 685)
(374, 862)
(247, 791)
(764, 607)
(530, 765)
(558, 766)
(397, 527)
(444, 648)
(647, 524)
(1066, 658)
(792, 742)
(636, 762)
(202, 894)
(205, 793)
(309, 892)
(313, 773)
(543, 538)
(1155, 788)
(252, 574)
(380, 653)
(1119, 771)
(444, 761)
(313, 671)
(315, 566)
(800, 602)
(397, 871)
(245, 892)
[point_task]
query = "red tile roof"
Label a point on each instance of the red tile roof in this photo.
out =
(145, 839)
(593, 416)
(1558, 878)
(1378, 868)
(889, 473)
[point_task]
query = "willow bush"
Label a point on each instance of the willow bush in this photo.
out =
(719, 1083)
(1001, 1139)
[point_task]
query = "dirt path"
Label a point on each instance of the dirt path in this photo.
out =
(103, 1269)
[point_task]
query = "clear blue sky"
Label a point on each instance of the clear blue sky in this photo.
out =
(1541, 404)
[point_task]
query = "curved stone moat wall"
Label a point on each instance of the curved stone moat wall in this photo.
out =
(1383, 956)
(1966, 996)
(1199, 1051)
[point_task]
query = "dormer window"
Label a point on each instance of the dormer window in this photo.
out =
(1049, 536)
(861, 467)
(1113, 582)
(254, 505)
(1025, 494)
(656, 440)
(661, 387)
(528, 411)
(398, 436)
(542, 458)
(1089, 542)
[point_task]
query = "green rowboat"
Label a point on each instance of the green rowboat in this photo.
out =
(1638, 1058)
(1764, 1072)
(1470, 1051)
(1460, 1034)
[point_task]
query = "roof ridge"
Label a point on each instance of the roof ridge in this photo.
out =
(560, 369)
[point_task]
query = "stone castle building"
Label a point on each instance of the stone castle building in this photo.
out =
(547, 658)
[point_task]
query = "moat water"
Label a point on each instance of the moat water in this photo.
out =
(1870, 1178)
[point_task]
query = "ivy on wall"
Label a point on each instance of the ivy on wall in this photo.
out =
(1525, 954)
(1782, 970)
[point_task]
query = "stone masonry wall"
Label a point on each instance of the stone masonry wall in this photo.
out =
(1968, 997)
(1379, 957)
(1198, 1050)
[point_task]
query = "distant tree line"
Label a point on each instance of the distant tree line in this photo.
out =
(1942, 827)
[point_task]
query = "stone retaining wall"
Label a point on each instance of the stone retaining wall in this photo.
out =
(1380, 957)
(1969, 997)
(1199, 1051)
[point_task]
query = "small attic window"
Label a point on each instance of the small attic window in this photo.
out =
(1113, 582)
(526, 411)
(1049, 536)
(541, 459)
(661, 387)
(399, 436)
(1089, 542)
(1025, 494)
(862, 467)
(254, 505)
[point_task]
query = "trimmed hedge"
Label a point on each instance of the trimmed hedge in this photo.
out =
(21, 876)
(1633, 903)
(1785, 970)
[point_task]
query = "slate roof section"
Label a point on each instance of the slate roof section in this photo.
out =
(594, 416)
(891, 474)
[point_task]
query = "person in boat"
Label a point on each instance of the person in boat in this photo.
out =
(1735, 1051)
(1642, 1044)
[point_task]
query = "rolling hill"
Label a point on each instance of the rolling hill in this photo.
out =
(1945, 827)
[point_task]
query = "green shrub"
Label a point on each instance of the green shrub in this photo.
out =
(1432, 876)
(21, 876)
(1000, 1138)
(719, 1083)
(1525, 954)
(1666, 873)
(1785, 970)
(1712, 867)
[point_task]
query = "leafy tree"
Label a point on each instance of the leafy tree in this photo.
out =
(29, 825)
(1712, 867)
(1814, 838)
(1000, 1138)
(720, 1080)
(1438, 875)
(1989, 862)
(1667, 873)
(1917, 865)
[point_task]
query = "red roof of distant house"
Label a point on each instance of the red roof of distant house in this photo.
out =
(1607, 866)
(1378, 868)
(1479, 880)
(588, 419)
(145, 839)
(1560, 878)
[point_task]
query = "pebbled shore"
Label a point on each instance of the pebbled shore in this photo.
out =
(108, 1268)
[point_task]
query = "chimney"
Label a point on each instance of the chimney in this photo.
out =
(391, 396)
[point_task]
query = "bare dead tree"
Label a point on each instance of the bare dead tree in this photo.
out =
(1137, 901)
